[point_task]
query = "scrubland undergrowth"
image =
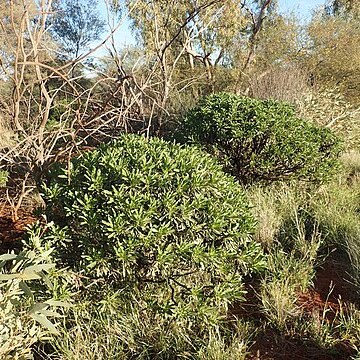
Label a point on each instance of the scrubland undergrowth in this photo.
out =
(194, 196)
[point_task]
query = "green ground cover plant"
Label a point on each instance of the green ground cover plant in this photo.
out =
(29, 308)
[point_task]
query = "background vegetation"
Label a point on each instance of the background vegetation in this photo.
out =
(245, 234)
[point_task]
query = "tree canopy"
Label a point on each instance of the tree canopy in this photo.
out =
(75, 24)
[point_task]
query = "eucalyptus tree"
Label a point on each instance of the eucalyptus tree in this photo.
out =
(344, 8)
(75, 24)
(334, 47)
(191, 42)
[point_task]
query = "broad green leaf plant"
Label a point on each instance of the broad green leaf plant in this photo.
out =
(25, 317)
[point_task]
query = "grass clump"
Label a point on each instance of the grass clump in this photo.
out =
(135, 333)
(336, 209)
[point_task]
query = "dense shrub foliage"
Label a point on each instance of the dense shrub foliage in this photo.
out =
(156, 216)
(28, 307)
(261, 140)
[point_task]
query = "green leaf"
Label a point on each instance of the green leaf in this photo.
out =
(45, 322)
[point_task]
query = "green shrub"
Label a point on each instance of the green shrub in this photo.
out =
(261, 140)
(160, 218)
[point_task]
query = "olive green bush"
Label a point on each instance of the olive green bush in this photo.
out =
(27, 303)
(159, 220)
(261, 140)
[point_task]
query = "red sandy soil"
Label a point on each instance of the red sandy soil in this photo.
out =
(332, 286)
(11, 231)
(334, 274)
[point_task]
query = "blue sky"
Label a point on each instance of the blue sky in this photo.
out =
(303, 8)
